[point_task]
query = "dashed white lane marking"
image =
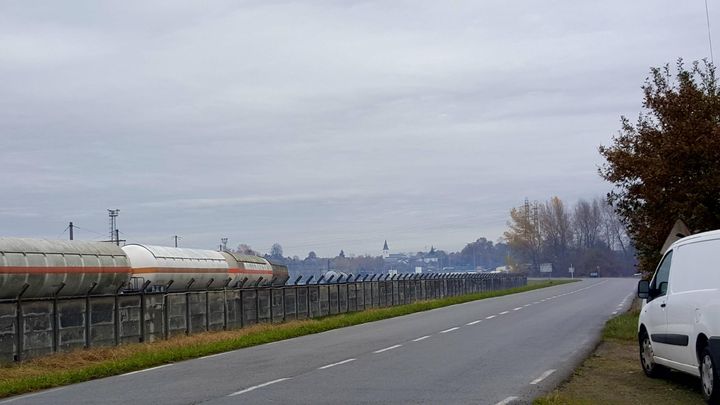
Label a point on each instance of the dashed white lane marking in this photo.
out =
(490, 317)
(449, 330)
(254, 387)
(336, 364)
(527, 305)
(615, 312)
(506, 400)
(503, 312)
(31, 395)
(536, 302)
(517, 309)
(386, 349)
(542, 376)
(421, 338)
(473, 322)
(147, 369)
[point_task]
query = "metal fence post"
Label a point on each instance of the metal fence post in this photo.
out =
(392, 290)
(55, 323)
(142, 311)
(297, 297)
(282, 289)
(347, 295)
(337, 291)
(364, 290)
(225, 304)
(242, 308)
(88, 314)
(257, 304)
(20, 331)
(116, 315)
(187, 306)
(308, 309)
(207, 304)
(239, 287)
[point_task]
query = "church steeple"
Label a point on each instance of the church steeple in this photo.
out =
(386, 250)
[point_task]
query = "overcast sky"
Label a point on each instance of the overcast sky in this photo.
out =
(321, 125)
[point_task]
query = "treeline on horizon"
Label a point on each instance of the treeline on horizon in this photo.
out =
(588, 236)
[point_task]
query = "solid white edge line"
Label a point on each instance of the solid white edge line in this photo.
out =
(212, 355)
(542, 376)
(34, 394)
(147, 369)
(506, 400)
(421, 338)
(450, 330)
(473, 322)
(254, 387)
(336, 364)
(386, 349)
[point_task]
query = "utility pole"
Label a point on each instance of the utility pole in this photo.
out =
(70, 227)
(175, 237)
(113, 214)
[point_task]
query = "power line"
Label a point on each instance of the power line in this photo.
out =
(707, 17)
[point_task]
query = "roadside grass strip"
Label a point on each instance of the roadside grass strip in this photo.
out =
(98, 362)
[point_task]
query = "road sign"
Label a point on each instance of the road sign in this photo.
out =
(545, 267)
(572, 271)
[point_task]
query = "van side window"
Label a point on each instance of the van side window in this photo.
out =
(659, 285)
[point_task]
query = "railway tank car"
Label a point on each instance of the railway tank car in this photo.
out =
(176, 269)
(248, 268)
(72, 268)
(50, 267)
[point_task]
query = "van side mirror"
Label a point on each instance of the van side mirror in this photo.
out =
(643, 291)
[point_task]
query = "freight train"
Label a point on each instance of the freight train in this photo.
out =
(45, 268)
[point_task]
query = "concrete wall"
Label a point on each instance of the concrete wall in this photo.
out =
(52, 325)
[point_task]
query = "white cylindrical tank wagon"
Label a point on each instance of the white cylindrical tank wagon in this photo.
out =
(249, 268)
(197, 269)
(50, 267)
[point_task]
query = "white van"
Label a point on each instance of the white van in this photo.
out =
(679, 325)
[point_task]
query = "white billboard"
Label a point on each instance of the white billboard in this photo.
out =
(545, 267)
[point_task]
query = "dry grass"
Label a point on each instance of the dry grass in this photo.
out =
(82, 358)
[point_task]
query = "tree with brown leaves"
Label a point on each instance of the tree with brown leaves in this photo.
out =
(667, 165)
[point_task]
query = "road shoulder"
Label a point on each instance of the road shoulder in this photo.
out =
(612, 374)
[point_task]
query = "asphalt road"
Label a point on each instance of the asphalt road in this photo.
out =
(496, 351)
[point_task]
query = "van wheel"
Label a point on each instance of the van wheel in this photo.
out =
(709, 380)
(647, 359)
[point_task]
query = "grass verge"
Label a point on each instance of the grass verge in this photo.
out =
(87, 364)
(612, 374)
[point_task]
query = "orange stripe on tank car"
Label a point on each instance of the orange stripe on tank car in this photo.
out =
(147, 270)
(61, 270)
(252, 271)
